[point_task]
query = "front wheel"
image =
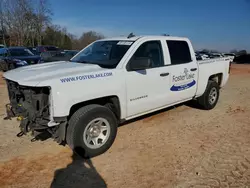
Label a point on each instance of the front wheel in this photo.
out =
(92, 130)
(210, 98)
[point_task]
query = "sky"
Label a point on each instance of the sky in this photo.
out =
(215, 24)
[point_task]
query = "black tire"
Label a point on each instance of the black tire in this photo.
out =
(79, 121)
(11, 66)
(4, 66)
(204, 99)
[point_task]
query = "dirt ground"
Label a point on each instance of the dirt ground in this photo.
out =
(178, 147)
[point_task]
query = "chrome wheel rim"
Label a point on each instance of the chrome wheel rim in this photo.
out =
(96, 133)
(212, 96)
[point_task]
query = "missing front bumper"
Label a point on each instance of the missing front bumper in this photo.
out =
(38, 127)
(30, 105)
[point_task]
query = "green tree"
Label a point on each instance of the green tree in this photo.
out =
(89, 37)
(55, 35)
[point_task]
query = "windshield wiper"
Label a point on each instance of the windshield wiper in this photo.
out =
(101, 64)
(84, 62)
(77, 61)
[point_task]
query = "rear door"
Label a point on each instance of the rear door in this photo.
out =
(183, 71)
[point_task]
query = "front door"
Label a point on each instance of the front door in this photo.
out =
(147, 89)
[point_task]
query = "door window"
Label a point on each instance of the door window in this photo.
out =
(151, 50)
(179, 52)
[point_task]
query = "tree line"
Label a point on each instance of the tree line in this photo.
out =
(29, 23)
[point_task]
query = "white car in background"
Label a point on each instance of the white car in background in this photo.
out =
(205, 56)
(216, 55)
(230, 55)
(201, 56)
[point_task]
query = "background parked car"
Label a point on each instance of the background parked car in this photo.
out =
(242, 59)
(201, 55)
(46, 52)
(65, 55)
(230, 55)
(14, 57)
(69, 53)
(215, 55)
(51, 49)
(33, 50)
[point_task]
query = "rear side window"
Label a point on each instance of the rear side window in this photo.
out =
(179, 52)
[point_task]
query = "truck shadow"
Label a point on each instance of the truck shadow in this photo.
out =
(193, 104)
(79, 174)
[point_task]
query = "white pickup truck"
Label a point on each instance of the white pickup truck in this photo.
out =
(81, 102)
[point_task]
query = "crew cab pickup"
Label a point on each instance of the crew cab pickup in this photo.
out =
(82, 101)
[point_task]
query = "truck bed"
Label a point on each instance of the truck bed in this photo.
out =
(216, 66)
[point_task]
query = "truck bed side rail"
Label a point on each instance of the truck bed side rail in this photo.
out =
(214, 60)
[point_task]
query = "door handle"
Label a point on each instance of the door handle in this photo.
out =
(164, 74)
(193, 69)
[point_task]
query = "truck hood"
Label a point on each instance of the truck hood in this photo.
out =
(33, 75)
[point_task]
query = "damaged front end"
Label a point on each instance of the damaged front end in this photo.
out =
(31, 106)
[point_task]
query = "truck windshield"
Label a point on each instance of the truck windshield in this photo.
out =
(103, 53)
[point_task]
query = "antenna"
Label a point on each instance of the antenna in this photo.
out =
(130, 35)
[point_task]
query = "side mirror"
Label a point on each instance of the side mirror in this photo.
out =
(141, 63)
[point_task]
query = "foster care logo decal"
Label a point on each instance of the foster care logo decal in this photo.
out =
(184, 81)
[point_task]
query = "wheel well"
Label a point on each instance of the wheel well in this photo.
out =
(217, 78)
(111, 102)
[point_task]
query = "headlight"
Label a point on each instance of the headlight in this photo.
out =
(21, 62)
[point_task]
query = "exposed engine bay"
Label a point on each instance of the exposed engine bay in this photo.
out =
(31, 107)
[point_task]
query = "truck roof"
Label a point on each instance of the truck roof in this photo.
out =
(145, 36)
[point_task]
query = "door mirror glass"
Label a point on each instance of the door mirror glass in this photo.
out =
(140, 63)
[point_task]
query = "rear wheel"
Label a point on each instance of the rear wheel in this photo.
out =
(210, 98)
(92, 130)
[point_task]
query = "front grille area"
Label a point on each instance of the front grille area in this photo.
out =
(32, 103)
